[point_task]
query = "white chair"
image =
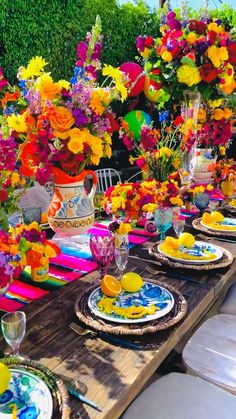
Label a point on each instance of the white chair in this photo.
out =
(136, 176)
(106, 178)
(211, 351)
(229, 304)
(182, 396)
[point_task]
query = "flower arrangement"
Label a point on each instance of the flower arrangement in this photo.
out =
(198, 55)
(158, 150)
(134, 198)
(9, 259)
(35, 250)
(225, 169)
(63, 124)
(119, 227)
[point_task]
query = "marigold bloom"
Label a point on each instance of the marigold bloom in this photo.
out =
(17, 123)
(217, 55)
(188, 75)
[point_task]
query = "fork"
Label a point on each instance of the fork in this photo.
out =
(80, 330)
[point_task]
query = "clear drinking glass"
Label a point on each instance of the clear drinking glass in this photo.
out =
(121, 259)
(102, 249)
(163, 220)
(178, 225)
(13, 329)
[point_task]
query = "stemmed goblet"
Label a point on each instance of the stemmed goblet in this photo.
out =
(102, 249)
(13, 329)
(121, 258)
(163, 220)
(178, 225)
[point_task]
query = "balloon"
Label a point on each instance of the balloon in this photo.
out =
(135, 120)
(114, 126)
(133, 70)
(151, 87)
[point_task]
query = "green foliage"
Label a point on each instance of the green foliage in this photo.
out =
(52, 29)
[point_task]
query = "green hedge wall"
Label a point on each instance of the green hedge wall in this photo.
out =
(52, 28)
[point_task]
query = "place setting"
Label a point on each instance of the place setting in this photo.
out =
(127, 305)
(217, 225)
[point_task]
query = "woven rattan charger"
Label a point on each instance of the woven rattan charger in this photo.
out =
(226, 260)
(198, 226)
(138, 329)
(61, 409)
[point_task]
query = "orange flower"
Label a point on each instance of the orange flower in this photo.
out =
(61, 121)
(218, 114)
(10, 97)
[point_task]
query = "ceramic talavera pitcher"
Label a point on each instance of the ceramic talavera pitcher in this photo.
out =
(71, 211)
(200, 165)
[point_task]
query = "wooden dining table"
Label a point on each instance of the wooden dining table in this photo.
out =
(112, 375)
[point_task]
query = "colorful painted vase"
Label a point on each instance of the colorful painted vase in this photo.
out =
(71, 211)
(227, 187)
(201, 165)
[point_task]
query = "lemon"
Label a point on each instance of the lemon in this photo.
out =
(5, 377)
(110, 286)
(186, 239)
(131, 282)
(217, 216)
(172, 242)
(207, 218)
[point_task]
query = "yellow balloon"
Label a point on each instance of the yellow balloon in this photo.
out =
(149, 91)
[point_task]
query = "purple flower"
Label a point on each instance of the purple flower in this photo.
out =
(8, 154)
(82, 49)
(79, 117)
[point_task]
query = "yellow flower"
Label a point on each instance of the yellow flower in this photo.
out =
(47, 88)
(122, 90)
(209, 188)
(228, 88)
(215, 103)
(188, 75)
(112, 72)
(215, 28)
(117, 203)
(165, 152)
(217, 55)
(198, 189)
(15, 178)
(167, 56)
(75, 144)
(222, 150)
(107, 151)
(176, 163)
(149, 207)
(124, 228)
(176, 200)
(202, 115)
(148, 184)
(37, 247)
(99, 101)
(146, 52)
(218, 114)
(49, 251)
(63, 84)
(34, 68)
(107, 138)
(17, 123)
(191, 38)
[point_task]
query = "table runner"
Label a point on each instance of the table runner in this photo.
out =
(69, 266)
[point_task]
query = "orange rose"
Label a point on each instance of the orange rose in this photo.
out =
(61, 121)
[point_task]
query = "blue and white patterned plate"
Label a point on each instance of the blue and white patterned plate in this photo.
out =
(149, 294)
(230, 222)
(198, 249)
(29, 393)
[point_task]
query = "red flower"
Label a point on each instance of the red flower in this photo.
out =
(212, 35)
(232, 53)
(3, 195)
(178, 121)
(149, 42)
(208, 73)
(197, 26)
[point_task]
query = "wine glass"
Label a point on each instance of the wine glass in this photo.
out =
(121, 259)
(163, 220)
(13, 329)
(178, 225)
(102, 249)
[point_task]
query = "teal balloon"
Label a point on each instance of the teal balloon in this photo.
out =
(135, 120)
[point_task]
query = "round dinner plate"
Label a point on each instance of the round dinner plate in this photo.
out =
(196, 250)
(150, 293)
(29, 393)
(231, 222)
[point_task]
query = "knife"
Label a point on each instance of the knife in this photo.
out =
(120, 341)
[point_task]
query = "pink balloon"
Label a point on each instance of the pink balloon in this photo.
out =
(133, 70)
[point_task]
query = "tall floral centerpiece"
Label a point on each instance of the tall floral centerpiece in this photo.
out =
(200, 56)
(156, 151)
(63, 127)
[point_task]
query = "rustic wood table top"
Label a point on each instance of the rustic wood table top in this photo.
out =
(109, 374)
